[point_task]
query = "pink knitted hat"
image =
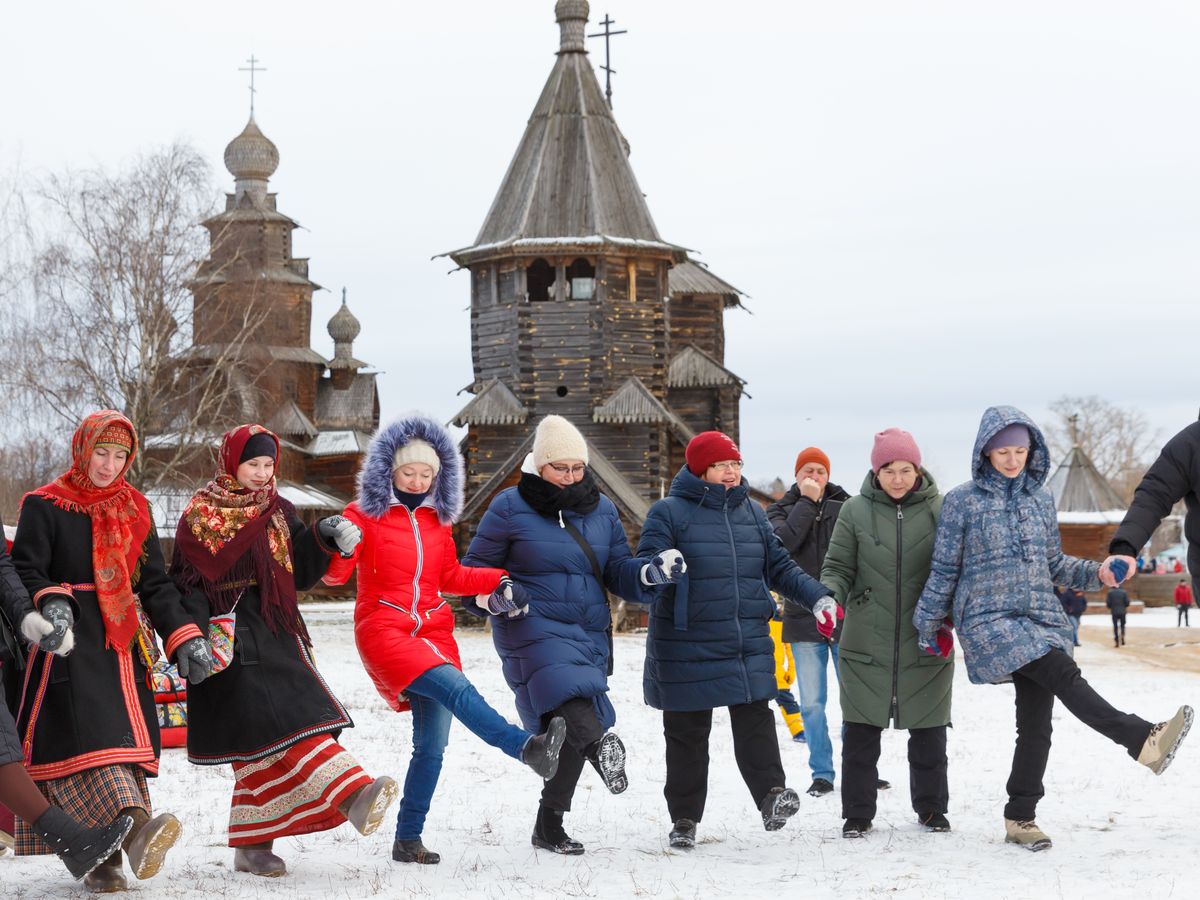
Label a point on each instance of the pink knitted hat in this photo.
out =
(894, 444)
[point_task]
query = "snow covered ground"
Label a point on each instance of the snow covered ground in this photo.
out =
(1118, 830)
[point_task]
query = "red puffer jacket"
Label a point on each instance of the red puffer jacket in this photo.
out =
(402, 624)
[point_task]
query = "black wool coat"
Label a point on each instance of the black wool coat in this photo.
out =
(1174, 476)
(271, 696)
(804, 528)
(96, 707)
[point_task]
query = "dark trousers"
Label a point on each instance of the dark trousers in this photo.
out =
(1037, 684)
(755, 747)
(583, 731)
(1118, 621)
(1182, 616)
(927, 782)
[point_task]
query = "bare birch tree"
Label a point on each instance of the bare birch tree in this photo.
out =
(103, 316)
(1119, 441)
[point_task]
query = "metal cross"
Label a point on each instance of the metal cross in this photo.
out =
(609, 72)
(252, 69)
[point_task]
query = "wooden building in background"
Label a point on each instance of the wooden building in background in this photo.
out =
(252, 322)
(580, 308)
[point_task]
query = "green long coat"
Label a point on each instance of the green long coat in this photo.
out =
(876, 566)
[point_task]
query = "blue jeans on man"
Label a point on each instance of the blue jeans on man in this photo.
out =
(437, 696)
(812, 680)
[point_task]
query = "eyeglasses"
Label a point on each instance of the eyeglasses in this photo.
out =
(733, 465)
(571, 470)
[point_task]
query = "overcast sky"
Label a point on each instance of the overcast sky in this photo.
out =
(933, 206)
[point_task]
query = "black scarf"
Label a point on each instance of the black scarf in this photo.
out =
(412, 501)
(549, 499)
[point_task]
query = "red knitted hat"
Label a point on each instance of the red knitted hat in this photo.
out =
(812, 454)
(707, 448)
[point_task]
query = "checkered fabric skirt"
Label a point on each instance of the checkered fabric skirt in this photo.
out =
(294, 792)
(94, 797)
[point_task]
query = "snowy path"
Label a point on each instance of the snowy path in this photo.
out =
(1118, 830)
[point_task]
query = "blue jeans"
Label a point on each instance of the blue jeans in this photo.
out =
(1074, 629)
(812, 662)
(438, 695)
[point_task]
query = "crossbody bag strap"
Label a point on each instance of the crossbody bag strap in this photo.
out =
(591, 555)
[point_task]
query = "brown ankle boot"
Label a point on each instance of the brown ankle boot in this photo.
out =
(107, 878)
(257, 859)
(149, 841)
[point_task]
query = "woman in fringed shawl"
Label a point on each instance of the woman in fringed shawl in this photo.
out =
(240, 548)
(85, 546)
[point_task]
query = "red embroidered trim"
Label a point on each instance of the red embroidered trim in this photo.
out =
(63, 590)
(143, 757)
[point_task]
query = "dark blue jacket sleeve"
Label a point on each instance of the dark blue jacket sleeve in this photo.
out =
(783, 575)
(623, 571)
(489, 547)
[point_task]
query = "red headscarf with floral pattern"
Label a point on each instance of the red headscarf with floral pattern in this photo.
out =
(120, 521)
(231, 537)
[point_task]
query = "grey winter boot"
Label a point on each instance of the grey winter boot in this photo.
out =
(367, 806)
(257, 859)
(80, 848)
(150, 844)
(1164, 741)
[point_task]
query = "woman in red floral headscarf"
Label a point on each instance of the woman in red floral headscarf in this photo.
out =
(241, 553)
(87, 552)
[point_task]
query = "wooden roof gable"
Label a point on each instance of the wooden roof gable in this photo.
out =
(692, 367)
(1079, 489)
(691, 277)
(570, 181)
(494, 405)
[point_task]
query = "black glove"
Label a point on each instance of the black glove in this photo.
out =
(194, 659)
(341, 532)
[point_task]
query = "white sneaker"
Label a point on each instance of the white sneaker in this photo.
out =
(1164, 741)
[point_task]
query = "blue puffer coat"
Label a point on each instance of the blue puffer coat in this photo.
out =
(996, 559)
(559, 650)
(709, 643)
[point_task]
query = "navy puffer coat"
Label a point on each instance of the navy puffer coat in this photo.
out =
(559, 650)
(709, 643)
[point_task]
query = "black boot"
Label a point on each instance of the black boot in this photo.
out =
(548, 834)
(80, 848)
(414, 852)
(541, 751)
(607, 756)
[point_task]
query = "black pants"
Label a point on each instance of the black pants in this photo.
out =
(1118, 620)
(927, 764)
(755, 747)
(1037, 684)
(583, 731)
(1182, 616)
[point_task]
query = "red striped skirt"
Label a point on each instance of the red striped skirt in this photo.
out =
(297, 791)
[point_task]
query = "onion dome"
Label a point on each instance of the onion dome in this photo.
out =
(251, 155)
(344, 327)
(572, 16)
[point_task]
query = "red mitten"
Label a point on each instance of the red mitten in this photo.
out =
(828, 614)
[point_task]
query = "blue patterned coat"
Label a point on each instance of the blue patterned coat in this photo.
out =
(996, 559)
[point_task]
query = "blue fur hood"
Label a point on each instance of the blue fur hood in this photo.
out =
(375, 476)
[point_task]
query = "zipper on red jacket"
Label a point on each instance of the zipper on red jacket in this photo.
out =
(412, 518)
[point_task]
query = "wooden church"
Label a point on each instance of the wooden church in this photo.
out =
(580, 308)
(251, 324)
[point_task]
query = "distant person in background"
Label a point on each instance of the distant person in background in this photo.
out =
(1183, 602)
(1074, 604)
(1117, 603)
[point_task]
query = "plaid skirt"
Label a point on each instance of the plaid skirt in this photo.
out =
(94, 797)
(297, 791)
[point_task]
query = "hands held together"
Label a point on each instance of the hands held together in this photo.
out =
(939, 642)
(1116, 569)
(341, 532)
(827, 613)
(665, 568)
(509, 598)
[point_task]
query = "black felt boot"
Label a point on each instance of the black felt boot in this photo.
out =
(541, 751)
(80, 848)
(548, 834)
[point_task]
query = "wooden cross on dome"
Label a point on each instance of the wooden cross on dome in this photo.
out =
(609, 72)
(252, 69)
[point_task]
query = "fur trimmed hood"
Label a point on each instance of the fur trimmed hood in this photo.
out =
(375, 476)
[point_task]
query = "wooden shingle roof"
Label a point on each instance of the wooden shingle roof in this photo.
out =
(691, 277)
(495, 404)
(692, 367)
(1081, 494)
(570, 183)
